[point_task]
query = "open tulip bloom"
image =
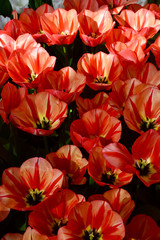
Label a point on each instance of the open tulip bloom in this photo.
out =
(144, 161)
(79, 120)
(33, 117)
(25, 187)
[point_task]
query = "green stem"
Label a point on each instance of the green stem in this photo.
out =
(65, 54)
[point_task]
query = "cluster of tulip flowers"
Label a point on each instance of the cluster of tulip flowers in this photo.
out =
(84, 80)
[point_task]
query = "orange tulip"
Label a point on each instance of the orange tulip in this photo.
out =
(32, 234)
(25, 66)
(39, 119)
(25, 188)
(95, 128)
(142, 117)
(101, 100)
(12, 236)
(120, 201)
(144, 161)
(11, 98)
(28, 16)
(154, 8)
(121, 90)
(142, 22)
(93, 220)
(4, 212)
(65, 84)
(61, 26)
(155, 48)
(53, 214)
(100, 69)
(70, 161)
(13, 28)
(95, 26)
(104, 173)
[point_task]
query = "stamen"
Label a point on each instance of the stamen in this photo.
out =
(109, 177)
(57, 224)
(101, 79)
(147, 124)
(93, 35)
(64, 33)
(91, 234)
(41, 32)
(32, 77)
(43, 124)
(144, 167)
(34, 197)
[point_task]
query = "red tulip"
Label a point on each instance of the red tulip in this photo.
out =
(142, 22)
(101, 100)
(100, 69)
(144, 161)
(95, 128)
(53, 214)
(28, 16)
(95, 26)
(61, 26)
(104, 173)
(69, 160)
(120, 201)
(39, 119)
(25, 66)
(26, 187)
(142, 227)
(141, 117)
(65, 84)
(93, 220)
(11, 98)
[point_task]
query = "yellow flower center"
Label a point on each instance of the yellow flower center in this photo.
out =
(102, 79)
(145, 167)
(32, 77)
(92, 234)
(93, 35)
(34, 197)
(57, 223)
(41, 32)
(109, 177)
(64, 33)
(147, 124)
(44, 124)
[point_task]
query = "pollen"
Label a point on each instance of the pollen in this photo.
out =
(64, 33)
(145, 167)
(109, 177)
(101, 79)
(91, 234)
(34, 197)
(44, 124)
(41, 32)
(57, 223)
(32, 77)
(93, 35)
(147, 124)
